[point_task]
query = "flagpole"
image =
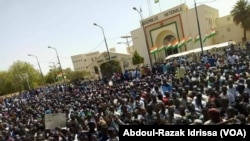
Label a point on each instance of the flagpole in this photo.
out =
(198, 24)
(159, 6)
(149, 8)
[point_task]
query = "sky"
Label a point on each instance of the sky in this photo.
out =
(30, 26)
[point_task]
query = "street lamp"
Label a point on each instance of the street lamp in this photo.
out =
(58, 61)
(52, 68)
(127, 43)
(126, 37)
(150, 59)
(104, 39)
(38, 66)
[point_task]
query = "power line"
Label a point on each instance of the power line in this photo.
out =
(96, 47)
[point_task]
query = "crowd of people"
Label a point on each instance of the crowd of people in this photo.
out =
(214, 91)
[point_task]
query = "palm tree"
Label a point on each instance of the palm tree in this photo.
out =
(241, 15)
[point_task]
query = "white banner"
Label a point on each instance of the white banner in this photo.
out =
(55, 120)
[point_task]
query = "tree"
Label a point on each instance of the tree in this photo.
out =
(6, 83)
(110, 67)
(137, 59)
(67, 73)
(24, 76)
(241, 15)
(50, 77)
(75, 75)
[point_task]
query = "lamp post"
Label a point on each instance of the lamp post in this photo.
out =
(126, 43)
(38, 66)
(126, 37)
(150, 59)
(52, 68)
(58, 62)
(198, 25)
(104, 40)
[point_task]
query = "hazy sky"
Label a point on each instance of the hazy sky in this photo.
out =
(30, 26)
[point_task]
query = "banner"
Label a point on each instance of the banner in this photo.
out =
(55, 120)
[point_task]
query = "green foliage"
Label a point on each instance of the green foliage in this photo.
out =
(76, 75)
(110, 67)
(50, 77)
(70, 75)
(20, 76)
(5, 83)
(137, 59)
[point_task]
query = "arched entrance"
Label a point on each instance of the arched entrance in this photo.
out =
(170, 39)
(163, 38)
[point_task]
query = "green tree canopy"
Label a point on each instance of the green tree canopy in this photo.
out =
(20, 76)
(137, 59)
(6, 84)
(110, 67)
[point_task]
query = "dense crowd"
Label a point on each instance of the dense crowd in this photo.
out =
(213, 91)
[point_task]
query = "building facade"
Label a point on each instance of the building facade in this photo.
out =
(169, 28)
(84, 61)
(228, 30)
(88, 62)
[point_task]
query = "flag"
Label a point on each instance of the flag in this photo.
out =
(161, 48)
(170, 46)
(59, 74)
(153, 50)
(197, 38)
(189, 39)
(175, 43)
(212, 33)
(182, 42)
(156, 1)
(206, 37)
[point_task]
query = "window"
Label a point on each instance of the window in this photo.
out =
(228, 29)
(210, 21)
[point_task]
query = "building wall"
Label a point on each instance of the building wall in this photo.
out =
(112, 49)
(207, 17)
(83, 61)
(130, 50)
(87, 62)
(140, 44)
(228, 30)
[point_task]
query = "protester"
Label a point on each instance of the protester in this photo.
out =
(176, 92)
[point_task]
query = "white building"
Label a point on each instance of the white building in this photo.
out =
(88, 62)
